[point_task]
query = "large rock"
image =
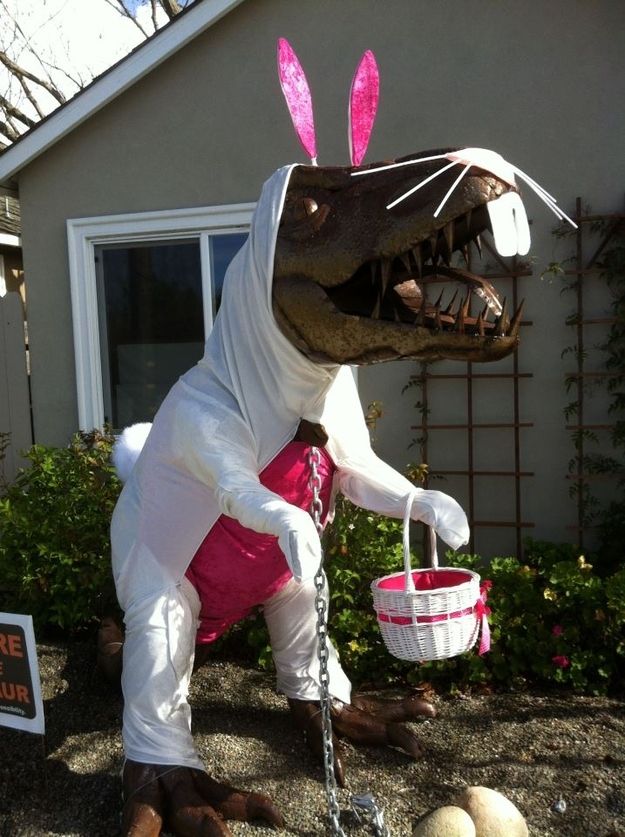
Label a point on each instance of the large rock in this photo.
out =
(449, 821)
(492, 813)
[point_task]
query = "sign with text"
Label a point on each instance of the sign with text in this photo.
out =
(21, 706)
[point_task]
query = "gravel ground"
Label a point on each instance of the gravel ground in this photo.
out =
(534, 749)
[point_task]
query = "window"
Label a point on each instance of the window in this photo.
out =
(145, 289)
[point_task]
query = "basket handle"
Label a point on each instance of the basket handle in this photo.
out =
(409, 583)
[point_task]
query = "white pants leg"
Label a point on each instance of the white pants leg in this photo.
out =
(292, 621)
(158, 661)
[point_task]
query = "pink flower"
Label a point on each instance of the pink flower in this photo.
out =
(557, 630)
(561, 661)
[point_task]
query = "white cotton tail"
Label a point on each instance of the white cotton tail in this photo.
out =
(127, 448)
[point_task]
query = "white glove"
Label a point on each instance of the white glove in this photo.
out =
(267, 513)
(444, 514)
(299, 541)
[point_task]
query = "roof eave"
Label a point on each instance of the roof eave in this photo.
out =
(110, 85)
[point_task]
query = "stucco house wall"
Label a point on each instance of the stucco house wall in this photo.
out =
(543, 84)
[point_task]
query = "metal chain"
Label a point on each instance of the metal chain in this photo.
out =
(316, 509)
(364, 807)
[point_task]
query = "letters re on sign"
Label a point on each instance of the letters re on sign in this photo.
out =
(21, 706)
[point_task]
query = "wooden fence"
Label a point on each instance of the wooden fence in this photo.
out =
(15, 417)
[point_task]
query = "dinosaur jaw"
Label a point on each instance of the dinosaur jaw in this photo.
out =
(311, 321)
(417, 304)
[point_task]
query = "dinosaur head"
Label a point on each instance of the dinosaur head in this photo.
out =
(364, 269)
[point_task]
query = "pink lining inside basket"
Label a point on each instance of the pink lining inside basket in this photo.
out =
(426, 580)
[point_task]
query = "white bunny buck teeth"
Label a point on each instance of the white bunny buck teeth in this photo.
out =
(507, 214)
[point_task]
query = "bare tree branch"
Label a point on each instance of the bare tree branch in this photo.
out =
(171, 8)
(77, 80)
(8, 131)
(31, 98)
(124, 11)
(19, 73)
(27, 42)
(12, 112)
(50, 71)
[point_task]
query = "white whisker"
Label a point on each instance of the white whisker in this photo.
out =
(420, 185)
(530, 181)
(399, 165)
(559, 212)
(547, 199)
(452, 187)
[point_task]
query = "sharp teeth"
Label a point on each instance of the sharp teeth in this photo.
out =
(509, 223)
(373, 267)
(434, 248)
(448, 231)
(451, 304)
(386, 275)
(502, 323)
(516, 320)
(418, 258)
(405, 260)
(460, 317)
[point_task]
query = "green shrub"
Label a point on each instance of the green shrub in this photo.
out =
(554, 621)
(54, 533)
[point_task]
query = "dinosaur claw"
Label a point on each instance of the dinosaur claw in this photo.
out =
(339, 769)
(307, 717)
(189, 803)
(406, 709)
(400, 736)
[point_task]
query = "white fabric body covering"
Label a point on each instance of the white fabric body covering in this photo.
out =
(219, 426)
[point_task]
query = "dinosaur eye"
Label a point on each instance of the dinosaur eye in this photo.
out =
(310, 206)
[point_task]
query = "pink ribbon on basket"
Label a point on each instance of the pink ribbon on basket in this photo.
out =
(482, 612)
(480, 608)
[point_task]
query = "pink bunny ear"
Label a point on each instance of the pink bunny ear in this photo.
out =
(297, 94)
(363, 104)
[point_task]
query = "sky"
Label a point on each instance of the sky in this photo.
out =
(80, 37)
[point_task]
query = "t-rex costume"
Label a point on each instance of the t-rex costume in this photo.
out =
(213, 520)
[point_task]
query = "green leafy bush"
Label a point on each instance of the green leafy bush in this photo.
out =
(54, 533)
(554, 621)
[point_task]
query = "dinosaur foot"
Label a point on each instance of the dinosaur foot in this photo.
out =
(366, 720)
(187, 802)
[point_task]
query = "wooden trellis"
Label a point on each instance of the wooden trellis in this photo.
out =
(509, 275)
(588, 329)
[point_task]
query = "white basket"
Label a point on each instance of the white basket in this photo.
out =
(427, 614)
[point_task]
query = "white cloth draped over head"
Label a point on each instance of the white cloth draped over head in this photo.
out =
(228, 417)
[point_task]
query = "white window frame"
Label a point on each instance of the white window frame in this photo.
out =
(85, 234)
